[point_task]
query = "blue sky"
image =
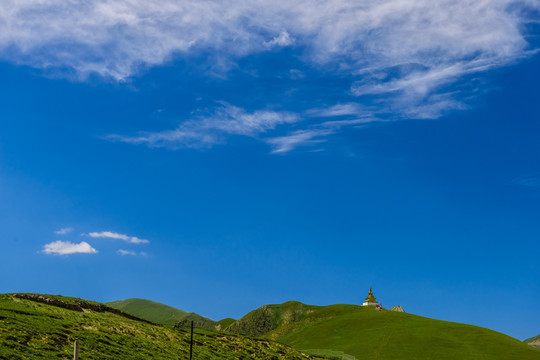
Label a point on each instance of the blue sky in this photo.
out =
(217, 156)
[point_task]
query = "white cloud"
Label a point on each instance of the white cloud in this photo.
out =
(113, 38)
(208, 130)
(126, 252)
(113, 235)
(63, 231)
(67, 248)
(405, 53)
(283, 39)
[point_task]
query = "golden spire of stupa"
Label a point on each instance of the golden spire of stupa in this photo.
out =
(370, 298)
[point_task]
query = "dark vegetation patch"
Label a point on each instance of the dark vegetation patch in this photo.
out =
(79, 305)
(186, 324)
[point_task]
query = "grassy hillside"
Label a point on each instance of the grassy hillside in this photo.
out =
(270, 317)
(156, 312)
(44, 327)
(224, 323)
(366, 333)
(534, 341)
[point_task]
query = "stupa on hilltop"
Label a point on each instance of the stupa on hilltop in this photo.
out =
(370, 300)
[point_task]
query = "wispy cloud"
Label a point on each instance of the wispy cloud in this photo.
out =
(226, 119)
(284, 144)
(338, 110)
(405, 54)
(206, 131)
(118, 236)
(63, 231)
(113, 38)
(283, 39)
(342, 115)
(529, 182)
(67, 248)
(324, 122)
(126, 252)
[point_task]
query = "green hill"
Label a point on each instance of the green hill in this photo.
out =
(534, 341)
(223, 324)
(270, 317)
(45, 327)
(365, 333)
(157, 312)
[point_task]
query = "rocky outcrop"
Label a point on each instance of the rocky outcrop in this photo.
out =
(49, 301)
(534, 341)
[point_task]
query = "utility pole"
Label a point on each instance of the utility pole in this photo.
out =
(191, 343)
(76, 350)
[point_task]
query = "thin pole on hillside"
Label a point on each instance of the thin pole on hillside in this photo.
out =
(76, 350)
(191, 343)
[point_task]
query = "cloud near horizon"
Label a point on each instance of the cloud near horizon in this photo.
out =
(118, 236)
(404, 53)
(67, 248)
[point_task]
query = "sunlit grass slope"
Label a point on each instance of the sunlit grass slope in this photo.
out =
(367, 333)
(45, 328)
(156, 312)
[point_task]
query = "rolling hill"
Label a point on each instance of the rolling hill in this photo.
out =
(157, 312)
(224, 323)
(366, 333)
(269, 317)
(45, 327)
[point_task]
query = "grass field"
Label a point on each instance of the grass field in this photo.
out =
(368, 334)
(45, 327)
(32, 329)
